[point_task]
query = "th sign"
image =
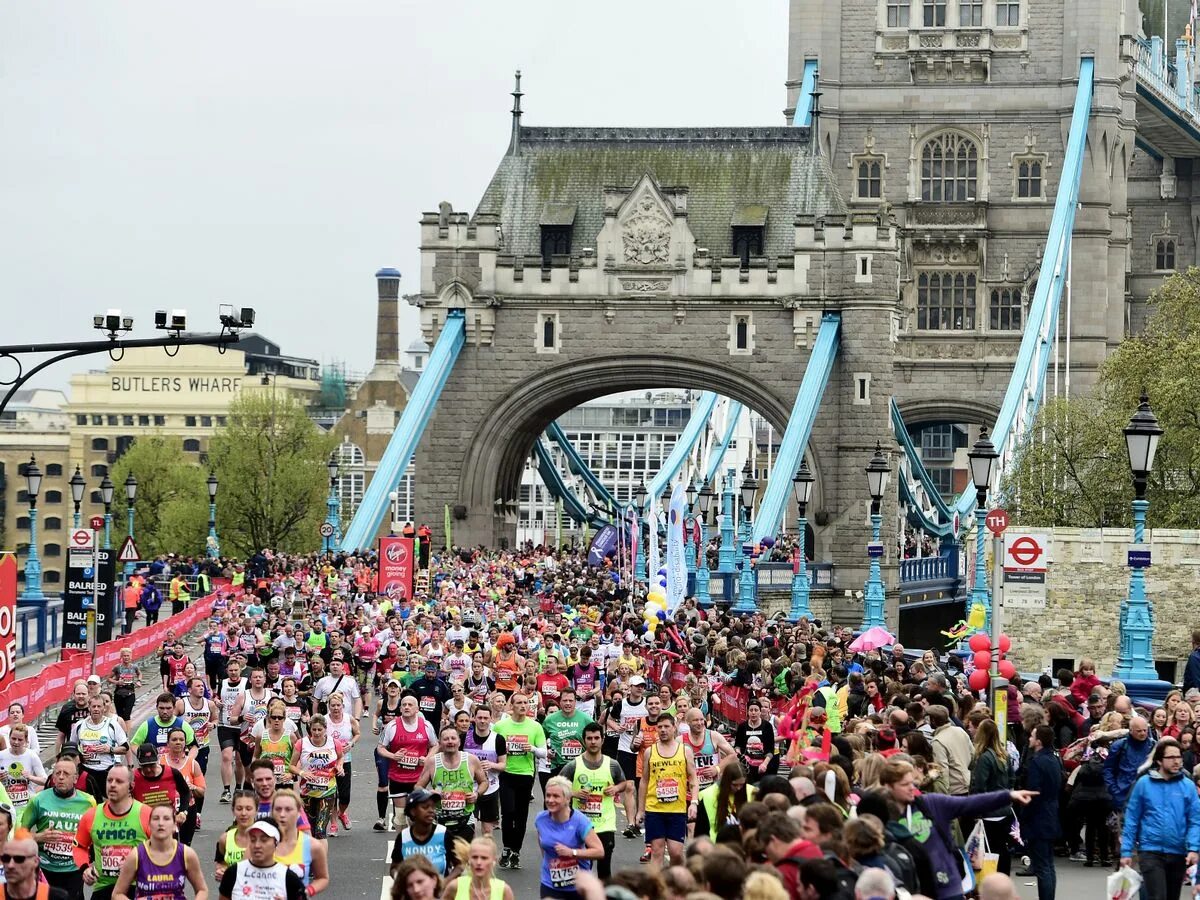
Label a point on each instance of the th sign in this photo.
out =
(997, 521)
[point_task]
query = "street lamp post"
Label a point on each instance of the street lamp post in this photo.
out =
(639, 503)
(1135, 660)
(33, 565)
(727, 555)
(394, 499)
(802, 486)
(877, 479)
(78, 486)
(213, 550)
(982, 458)
(106, 495)
(131, 497)
(703, 595)
(331, 508)
(749, 490)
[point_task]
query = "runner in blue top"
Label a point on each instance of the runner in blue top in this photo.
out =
(568, 841)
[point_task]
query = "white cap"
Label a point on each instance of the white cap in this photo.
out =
(93, 679)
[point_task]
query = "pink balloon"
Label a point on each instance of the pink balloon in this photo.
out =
(979, 641)
(1007, 669)
(1005, 643)
(978, 680)
(983, 659)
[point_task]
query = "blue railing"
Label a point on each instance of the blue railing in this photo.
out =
(1158, 75)
(38, 627)
(930, 568)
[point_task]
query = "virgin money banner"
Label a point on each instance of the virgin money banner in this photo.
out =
(396, 566)
(8, 618)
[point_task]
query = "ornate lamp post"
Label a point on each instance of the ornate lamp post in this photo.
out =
(213, 550)
(639, 503)
(982, 458)
(749, 490)
(727, 556)
(331, 508)
(802, 486)
(877, 479)
(78, 486)
(1135, 660)
(131, 497)
(106, 495)
(703, 596)
(33, 565)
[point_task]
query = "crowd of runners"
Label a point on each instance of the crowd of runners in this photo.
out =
(527, 684)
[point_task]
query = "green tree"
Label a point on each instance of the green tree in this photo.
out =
(170, 492)
(270, 461)
(1074, 469)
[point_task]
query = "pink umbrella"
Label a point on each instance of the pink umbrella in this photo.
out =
(872, 639)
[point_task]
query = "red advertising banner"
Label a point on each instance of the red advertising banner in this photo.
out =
(8, 618)
(396, 567)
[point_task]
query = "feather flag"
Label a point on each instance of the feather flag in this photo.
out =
(652, 557)
(676, 561)
(635, 541)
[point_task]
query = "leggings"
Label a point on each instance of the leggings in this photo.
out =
(608, 840)
(343, 786)
(516, 793)
(320, 813)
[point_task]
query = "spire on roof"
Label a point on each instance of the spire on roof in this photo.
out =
(514, 143)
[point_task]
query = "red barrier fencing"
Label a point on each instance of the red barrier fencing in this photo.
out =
(52, 685)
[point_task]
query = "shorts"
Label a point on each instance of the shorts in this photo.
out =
(666, 826)
(487, 808)
(549, 893)
(123, 701)
(227, 736)
(400, 788)
(245, 753)
(628, 762)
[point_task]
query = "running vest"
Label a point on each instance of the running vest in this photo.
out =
(253, 712)
(506, 673)
(197, 718)
(113, 839)
(597, 806)
(705, 754)
(229, 692)
(434, 848)
(463, 890)
(317, 764)
(412, 747)
(300, 859)
(484, 751)
(234, 853)
(477, 691)
(341, 732)
(155, 882)
(667, 792)
(157, 733)
(279, 753)
(454, 785)
(260, 883)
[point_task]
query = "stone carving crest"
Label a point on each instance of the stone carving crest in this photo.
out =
(646, 235)
(926, 253)
(645, 286)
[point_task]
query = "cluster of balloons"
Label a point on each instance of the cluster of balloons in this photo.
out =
(981, 643)
(655, 610)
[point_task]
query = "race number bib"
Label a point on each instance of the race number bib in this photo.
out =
(571, 749)
(454, 802)
(667, 790)
(428, 704)
(409, 759)
(518, 744)
(111, 858)
(592, 805)
(563, 871)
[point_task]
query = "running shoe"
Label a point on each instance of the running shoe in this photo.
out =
(631, 832)
(344, 818)
(226, 795)
(380, 825)
(504, 858)
(332, 832)
(514, 861)
(645, 857)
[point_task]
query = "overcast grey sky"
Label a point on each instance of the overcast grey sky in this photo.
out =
(275, 154)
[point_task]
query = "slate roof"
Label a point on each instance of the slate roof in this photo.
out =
(726, 171)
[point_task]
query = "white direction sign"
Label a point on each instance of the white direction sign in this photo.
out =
(1026, 554)
(81, 539)
(129, 551)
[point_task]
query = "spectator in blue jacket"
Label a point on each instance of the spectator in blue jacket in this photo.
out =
(1039, 820)
(151, 600)
(1162, 823)
(1191, 674)
(1125, 759)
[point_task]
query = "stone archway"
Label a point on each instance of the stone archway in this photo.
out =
(495, 457)
(950, 409)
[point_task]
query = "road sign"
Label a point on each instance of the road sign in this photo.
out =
(1138, 556)
(129, 551)
(77, 601)
(874, 550)
(1026, 554)
(957, 524)
(81, 539)
(326, 530)
(97, 523)
(997, 521)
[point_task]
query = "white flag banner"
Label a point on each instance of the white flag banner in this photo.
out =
(653, 564)
(676, 561)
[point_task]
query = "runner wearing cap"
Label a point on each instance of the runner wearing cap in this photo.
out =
(423, 836)
(154, 783)
(259, 876)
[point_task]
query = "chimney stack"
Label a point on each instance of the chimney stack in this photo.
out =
(387, 321)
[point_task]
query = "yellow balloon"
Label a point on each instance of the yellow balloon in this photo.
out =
(977, 618)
